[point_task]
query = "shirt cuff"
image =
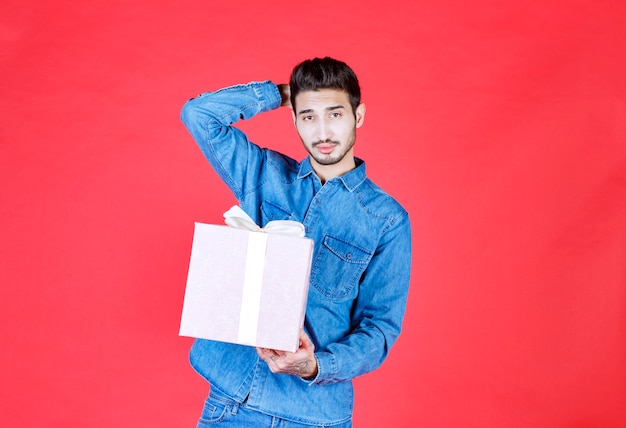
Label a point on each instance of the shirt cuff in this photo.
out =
(267, 93)
(326, 369)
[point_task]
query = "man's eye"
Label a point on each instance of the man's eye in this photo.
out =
(335, 114)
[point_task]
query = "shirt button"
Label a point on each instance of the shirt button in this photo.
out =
(349, 256)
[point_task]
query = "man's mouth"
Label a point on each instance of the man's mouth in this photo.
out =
(325, 147)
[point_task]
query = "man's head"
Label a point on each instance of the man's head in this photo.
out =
(327, 110)
(325, 73)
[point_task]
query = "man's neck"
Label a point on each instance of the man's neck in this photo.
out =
(328, 172)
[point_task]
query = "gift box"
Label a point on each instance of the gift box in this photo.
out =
(247, 285)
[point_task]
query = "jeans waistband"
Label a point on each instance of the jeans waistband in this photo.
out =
(219, 396)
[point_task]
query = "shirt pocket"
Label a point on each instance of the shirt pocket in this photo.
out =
(338, 267)
(272, 211)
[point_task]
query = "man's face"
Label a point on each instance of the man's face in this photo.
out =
(327, 126)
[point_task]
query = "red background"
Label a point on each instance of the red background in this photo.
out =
(500, 125)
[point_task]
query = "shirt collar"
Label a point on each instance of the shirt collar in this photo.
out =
(351, 179)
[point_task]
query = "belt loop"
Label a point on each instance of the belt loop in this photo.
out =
(235, 408)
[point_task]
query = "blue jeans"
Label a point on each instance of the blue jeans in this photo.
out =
(222, 410)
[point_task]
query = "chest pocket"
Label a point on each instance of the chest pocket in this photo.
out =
(271, 211)
(338, 267)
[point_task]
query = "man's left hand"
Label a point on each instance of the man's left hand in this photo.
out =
(301, 363)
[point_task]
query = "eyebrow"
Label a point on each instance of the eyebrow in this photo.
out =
(331, 108)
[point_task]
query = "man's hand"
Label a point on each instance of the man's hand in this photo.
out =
(285, 95)
(301, 363)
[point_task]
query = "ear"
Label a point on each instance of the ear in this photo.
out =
(360, 115)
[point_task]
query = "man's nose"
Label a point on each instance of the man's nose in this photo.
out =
(324, 132)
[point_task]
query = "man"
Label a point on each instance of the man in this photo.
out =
(361, 262)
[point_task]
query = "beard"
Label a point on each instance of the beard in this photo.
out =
(335, 156)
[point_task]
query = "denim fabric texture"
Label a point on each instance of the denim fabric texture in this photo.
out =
(360, 272)
(223, 410)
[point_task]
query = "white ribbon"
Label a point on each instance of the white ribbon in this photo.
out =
(255, 265)
(236, 217)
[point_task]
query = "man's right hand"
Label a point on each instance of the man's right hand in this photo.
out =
(285, 94)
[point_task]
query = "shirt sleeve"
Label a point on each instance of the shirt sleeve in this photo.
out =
(378, 312)
(209, 118)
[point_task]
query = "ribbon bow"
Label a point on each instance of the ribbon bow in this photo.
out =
(236, 217)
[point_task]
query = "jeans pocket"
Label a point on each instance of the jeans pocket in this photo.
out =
(213, 412)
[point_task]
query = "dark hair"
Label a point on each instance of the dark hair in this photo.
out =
(325, 73)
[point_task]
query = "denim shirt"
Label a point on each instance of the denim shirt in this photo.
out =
(360, 270)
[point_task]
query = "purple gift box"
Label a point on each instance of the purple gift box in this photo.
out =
(246, 287)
